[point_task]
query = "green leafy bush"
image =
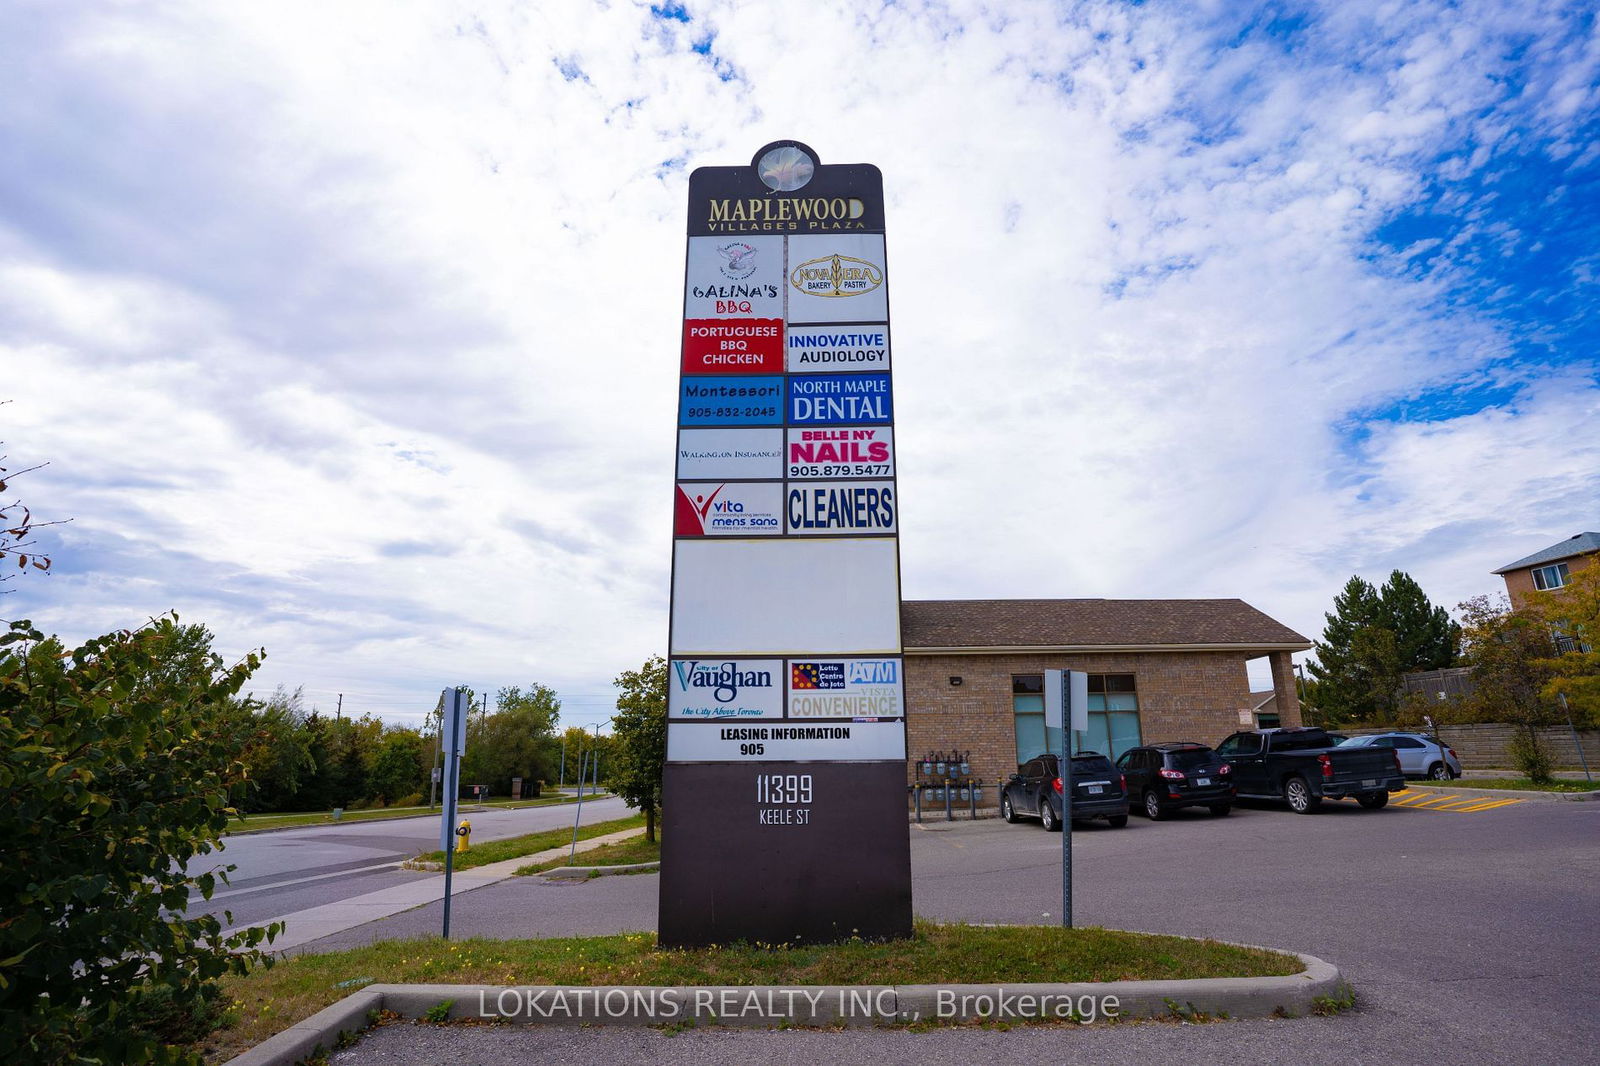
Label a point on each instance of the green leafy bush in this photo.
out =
(1530, 755)
(116, 761)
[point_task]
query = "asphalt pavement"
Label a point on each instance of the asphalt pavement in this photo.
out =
(1469, 938)
(288, 870)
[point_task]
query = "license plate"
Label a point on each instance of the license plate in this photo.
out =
(1202, 781)
(1369, 784)
(1095, 790)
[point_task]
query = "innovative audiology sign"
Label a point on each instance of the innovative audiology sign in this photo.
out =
(783, 806)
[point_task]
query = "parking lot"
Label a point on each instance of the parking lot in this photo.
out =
(1469, 936)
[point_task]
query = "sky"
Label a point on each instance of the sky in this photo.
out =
(351, 331)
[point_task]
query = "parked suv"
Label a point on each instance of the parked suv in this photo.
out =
(1420, 754)
(1165, 777)
(1098, 791)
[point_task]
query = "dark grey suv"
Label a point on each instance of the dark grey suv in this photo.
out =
(1163, 778)
(1034, 791)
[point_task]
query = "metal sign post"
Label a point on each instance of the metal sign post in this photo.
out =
(1066, 707)
(454, 728)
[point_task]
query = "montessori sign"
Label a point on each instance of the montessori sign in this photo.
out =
(783, 804)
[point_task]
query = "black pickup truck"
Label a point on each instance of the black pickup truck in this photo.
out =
(1303, 766)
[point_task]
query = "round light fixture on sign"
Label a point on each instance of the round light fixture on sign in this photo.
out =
(785, 168)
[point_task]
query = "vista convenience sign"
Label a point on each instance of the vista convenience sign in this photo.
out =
(783, 810)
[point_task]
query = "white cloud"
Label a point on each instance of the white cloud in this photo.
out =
(352, 331)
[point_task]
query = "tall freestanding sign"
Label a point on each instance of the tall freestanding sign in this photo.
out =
(783, 807)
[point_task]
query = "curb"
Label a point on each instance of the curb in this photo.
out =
(583, 873)
(1508, 793)
(765, 1006)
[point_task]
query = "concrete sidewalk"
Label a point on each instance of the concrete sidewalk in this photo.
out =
(302, 927)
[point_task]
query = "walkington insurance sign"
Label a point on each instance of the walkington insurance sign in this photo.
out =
(784, 812)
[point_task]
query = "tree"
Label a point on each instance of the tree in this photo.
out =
(1372, 638)
(1508, 652)
(1425, 636)
(516, 740)
(640, 729)
(115, 781)
(397, 766)
(1572, 613)
(17, 526)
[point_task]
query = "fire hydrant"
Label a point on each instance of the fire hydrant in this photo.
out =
(464, 836)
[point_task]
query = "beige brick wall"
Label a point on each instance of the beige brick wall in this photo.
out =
(1182, 696)
(1519, 583)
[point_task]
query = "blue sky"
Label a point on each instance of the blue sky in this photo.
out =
(352, 332)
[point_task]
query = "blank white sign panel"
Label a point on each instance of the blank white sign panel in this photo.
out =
(785, 596)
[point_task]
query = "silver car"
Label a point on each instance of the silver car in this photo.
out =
(1420, 754)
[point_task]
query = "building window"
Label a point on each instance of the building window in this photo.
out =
(1551, 577)
(1113, 717)
(1027, 706)
(1268, 721)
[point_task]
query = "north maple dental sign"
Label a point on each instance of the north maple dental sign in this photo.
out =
(785, 612)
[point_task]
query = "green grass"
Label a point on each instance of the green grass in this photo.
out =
(273, 999)
(624, 853)
(256, 823)
(529, 843)
(1520, 784)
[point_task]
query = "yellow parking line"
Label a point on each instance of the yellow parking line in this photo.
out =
(1457, 805)
(1492, 804)
(1436, 799)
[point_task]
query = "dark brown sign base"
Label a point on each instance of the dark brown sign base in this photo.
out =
(784, 852)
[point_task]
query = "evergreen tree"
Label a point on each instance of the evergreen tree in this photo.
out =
(1372, 638)
(1343, 692)
(1425, 636)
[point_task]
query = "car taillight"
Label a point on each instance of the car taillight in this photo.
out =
(1224, 769)
(1122, 782)
(1453, 754)
(1327, 763)
(1172, 775)
(1058, 784)
(1397, 763)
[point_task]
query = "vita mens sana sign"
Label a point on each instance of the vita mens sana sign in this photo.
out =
(785, 281)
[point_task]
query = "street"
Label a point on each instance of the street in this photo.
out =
(1468, 936)
(288, 870)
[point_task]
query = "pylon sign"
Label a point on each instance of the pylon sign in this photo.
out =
(783, 806)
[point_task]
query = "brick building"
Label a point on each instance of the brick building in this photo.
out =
(1159, 670)
(1549, 568)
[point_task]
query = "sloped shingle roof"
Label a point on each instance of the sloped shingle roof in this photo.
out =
(1090, 623)
(1577, 544)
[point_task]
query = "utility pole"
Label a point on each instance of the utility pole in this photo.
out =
(338, 712)
(438, 754)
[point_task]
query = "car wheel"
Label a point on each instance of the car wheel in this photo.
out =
(1298, 795)
(1440, 772)
(1008, 812)
(1047, 817)
(1152, 806)
(1117, 821)
(1373, 801)
(1221, 809)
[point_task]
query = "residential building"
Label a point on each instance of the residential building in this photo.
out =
(1549, 568)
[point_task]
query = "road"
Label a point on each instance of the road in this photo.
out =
(1469, 937)
(288, 870)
